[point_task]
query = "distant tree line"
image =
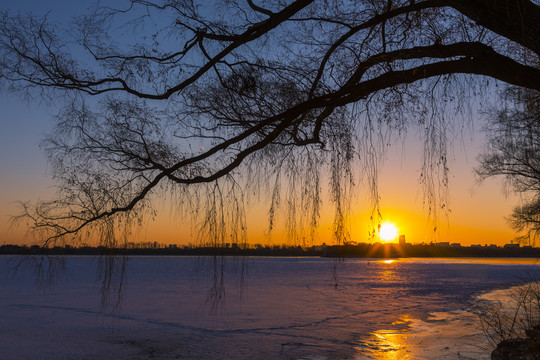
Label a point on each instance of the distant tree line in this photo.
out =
(362, 250)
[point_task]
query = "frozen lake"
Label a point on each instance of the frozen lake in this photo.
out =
(253, 308)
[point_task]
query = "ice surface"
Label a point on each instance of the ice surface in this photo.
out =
(257, 308)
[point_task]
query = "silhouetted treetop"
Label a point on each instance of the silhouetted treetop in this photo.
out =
(513, 152)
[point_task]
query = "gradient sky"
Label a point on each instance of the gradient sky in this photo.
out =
(477, 212)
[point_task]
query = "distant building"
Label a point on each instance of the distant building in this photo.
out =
(455, 245)
(443, 243)
(401, 240)
(513, 246)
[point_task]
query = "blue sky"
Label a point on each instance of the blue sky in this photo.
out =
(23, 175)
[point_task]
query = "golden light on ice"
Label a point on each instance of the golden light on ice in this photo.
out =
(388, 231)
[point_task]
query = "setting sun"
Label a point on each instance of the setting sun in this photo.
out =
(388, 231)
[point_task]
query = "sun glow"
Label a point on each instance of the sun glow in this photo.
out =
(388, 231)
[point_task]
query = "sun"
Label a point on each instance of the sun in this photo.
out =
(388, 231)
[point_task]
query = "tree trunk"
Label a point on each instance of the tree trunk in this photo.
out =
(517, 20)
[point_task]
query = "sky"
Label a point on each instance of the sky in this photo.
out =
(477, 211)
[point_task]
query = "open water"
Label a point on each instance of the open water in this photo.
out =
(251, 308)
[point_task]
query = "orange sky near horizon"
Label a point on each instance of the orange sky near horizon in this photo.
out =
(477, 211)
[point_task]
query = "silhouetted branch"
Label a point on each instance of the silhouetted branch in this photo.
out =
(213, 103)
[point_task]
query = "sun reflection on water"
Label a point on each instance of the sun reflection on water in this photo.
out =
(392, 345)
(443, 336)
(386, 345)
(386, 272)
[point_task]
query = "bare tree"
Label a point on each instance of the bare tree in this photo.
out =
(215, 102)
(513, 151)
